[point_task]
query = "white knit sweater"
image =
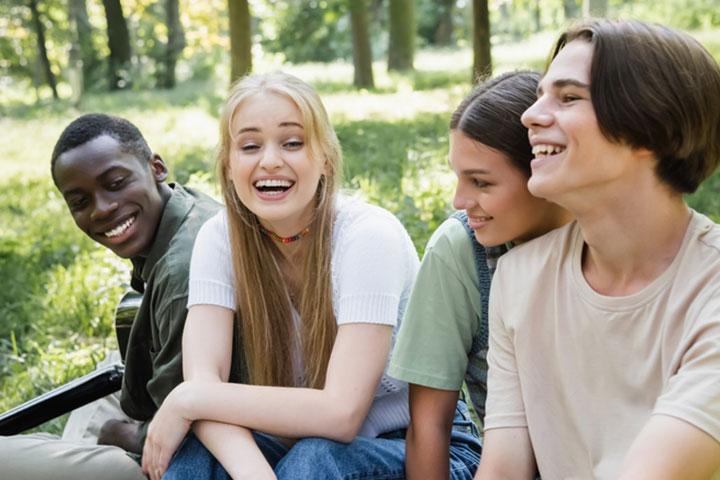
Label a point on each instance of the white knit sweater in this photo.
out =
(374, 264)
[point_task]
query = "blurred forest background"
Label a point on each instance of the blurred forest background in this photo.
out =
(389, 71)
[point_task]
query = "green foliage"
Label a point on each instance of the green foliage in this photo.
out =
(310, 31)
(58, 294)
(402, 167)
(707, 198)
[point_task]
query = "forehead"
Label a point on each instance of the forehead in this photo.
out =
(571, 64)
(469, 156)
(266, 110)
(92, 159)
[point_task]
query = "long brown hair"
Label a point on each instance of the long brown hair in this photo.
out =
(264, 313)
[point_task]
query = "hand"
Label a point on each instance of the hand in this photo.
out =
(121, 433)
(167, 429)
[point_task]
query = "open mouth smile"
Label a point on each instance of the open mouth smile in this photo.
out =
(117, 231)
(546, 150)
(478, 221)
(273, 188)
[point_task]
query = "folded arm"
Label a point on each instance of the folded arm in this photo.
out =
(336, 412)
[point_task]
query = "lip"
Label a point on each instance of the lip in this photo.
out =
(477, 222)
(124, 236)
(275, 196)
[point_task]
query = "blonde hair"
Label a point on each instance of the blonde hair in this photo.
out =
(265, 324)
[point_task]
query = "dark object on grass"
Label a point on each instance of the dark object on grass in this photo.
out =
(80, 391)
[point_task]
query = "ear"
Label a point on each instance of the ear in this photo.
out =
(158, 168)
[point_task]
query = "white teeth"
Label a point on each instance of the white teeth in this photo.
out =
(273, 183)
(120, 229)
(543, 149)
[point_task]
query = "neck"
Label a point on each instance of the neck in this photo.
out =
(631, 237)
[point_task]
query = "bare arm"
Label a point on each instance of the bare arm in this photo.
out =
(668, 448)
(235, 448)
(337, 411)
(507, 454)
(428, 437)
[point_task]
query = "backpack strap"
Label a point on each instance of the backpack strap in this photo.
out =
(480, 341)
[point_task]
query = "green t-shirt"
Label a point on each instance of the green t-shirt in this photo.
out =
(443, 314)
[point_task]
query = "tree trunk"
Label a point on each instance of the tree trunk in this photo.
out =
(482, 61)
(538, 16)
(175, 42)
(42, 49)
(571, 9)
(595, 8)
(119, 44)
(402, 35)
(81, 32)
(240, 39)
(362, 53)
(444, 31)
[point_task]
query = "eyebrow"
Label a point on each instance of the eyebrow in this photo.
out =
(565, 82)
(282, 125)
(475, 171)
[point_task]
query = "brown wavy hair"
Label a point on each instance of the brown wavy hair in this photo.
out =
(264, 309)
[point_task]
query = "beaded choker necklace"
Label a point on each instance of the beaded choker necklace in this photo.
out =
(285, 240)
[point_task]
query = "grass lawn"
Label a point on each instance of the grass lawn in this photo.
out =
(58, 290)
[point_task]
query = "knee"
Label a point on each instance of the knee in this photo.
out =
(311, 458)
(192, 460)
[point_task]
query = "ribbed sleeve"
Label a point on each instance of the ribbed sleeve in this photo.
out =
(211, 277)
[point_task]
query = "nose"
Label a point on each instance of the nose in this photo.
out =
(271, 159)
(104, 207)
(537, 115)
(462, 200)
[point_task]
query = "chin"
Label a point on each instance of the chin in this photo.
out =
(540, 187)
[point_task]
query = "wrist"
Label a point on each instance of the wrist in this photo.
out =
(181, 400)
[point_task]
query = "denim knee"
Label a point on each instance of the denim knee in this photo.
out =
(193, 460)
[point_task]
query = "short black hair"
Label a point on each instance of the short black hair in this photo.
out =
(657, 88)
(92, 125)
(491, 113)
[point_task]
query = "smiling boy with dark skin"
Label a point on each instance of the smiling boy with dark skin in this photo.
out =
(115, 189)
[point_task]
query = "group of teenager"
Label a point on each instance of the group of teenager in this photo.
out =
(293, 333)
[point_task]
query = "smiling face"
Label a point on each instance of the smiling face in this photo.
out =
(270, 163)
(494, 195)
(571, 154)
(113, 196)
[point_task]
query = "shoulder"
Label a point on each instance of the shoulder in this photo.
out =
(451, 249)
(700, 266)
(536, 254)
(708, 235)
(359, 222)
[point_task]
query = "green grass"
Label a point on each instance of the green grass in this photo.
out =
(58, 289)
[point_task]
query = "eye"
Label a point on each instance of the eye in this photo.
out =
(249, 147)
(294, 144)
(569, 97)
(479, 183)
(77, 203)
(117, 184)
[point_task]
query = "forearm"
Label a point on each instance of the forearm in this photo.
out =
(235, 448)
(427, 452)
(281, 411)
(668, 448)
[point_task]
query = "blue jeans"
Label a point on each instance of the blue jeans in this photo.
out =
(381, 458)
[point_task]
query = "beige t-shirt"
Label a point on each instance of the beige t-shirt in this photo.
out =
(584, 372)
